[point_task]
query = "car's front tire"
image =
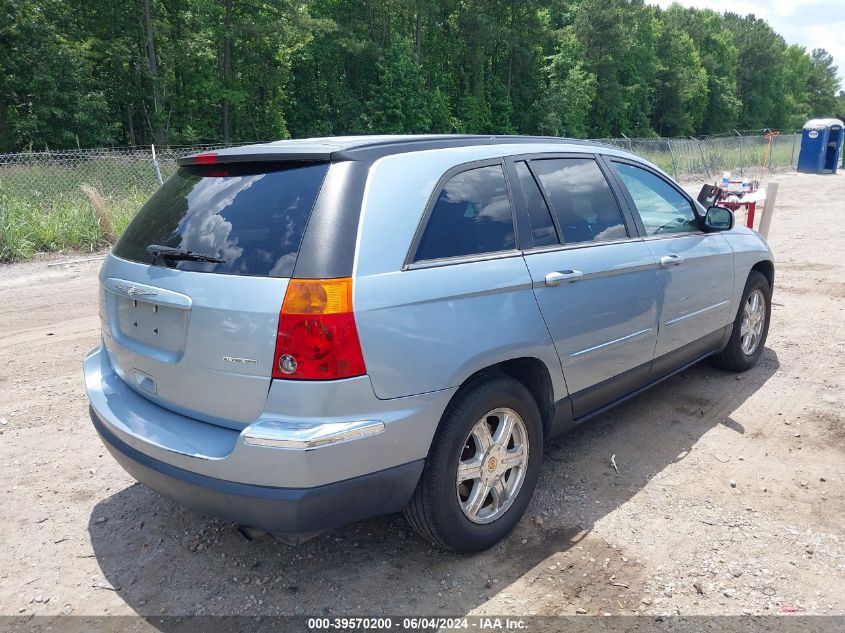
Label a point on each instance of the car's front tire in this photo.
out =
(482, 467)
(751, 326)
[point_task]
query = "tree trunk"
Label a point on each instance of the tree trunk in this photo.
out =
(130, 125)
(418, 33)
(227, 71)
(511, 45)
(6, 142)
(152, 65)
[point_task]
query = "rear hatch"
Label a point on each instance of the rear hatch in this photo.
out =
(190, 297)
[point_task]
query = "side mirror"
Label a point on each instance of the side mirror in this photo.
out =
(719, 219)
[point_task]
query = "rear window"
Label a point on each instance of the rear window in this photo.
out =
(251, 216)
(472, 216)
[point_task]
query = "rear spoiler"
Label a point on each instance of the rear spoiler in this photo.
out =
(224, 157)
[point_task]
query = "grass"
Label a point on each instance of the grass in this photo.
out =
(29, 225)
(50, 208)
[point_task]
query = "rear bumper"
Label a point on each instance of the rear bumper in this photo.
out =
(283, 510)
(278, 473)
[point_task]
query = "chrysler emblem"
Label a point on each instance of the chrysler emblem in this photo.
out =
(132, 291)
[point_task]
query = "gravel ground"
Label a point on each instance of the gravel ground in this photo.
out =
(728, 497)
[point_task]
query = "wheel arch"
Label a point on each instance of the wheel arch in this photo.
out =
(766, 267)
(533, 373)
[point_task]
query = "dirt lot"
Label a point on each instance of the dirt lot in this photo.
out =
(729, 497)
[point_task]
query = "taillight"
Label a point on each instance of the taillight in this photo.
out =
(317, 338)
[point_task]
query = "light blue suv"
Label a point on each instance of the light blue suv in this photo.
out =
(302, 334)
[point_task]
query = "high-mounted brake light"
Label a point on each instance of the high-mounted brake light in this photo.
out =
(208, 158)
(317, 338)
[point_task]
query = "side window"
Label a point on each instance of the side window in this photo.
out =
(472, 216)
(661, 207)
(581, 199)
(542, 227)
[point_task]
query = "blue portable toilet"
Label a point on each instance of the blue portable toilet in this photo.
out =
(821, 146)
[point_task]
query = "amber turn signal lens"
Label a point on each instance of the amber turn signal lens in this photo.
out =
(318, 296)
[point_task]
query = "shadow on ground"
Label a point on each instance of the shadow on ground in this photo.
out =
(163, 559)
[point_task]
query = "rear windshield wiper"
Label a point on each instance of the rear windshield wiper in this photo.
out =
(167, 252)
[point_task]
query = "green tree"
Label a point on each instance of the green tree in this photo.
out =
(205, 71)
(681, 87)
(718, 54)
(760, 68)
(399, 102)
(822, 83)
(617, 37)
(796, 73)
(332, 73)
(568, 98)
(48, 96)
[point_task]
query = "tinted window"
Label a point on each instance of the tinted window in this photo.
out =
(251, 217)
(472, 215)
(542, 227)
(581, 198)
(662, 207)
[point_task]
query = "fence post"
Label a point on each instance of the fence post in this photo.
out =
(792, 161)
(741, 155)
(703, 160)
(672, 154)
(156, 167)
(773, 142)
(768, 208)
(630, 147)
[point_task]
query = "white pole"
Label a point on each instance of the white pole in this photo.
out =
(768, 208)
(156, 167)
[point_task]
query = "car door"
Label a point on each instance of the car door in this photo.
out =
(595, 281)
(696, 268)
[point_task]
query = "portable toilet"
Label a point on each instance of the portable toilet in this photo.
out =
(821, 146)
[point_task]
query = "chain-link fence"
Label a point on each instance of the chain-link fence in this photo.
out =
(58, 176)
(749, 156)
(76, 199)
(82, 199)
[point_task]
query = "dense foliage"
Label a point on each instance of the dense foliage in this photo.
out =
(101, 72)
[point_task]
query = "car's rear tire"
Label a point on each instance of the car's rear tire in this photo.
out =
(751, 326)
(476, 485)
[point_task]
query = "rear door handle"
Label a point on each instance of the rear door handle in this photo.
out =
(671, 260)
(560, 276)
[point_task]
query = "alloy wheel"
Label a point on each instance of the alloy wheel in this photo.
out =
(492, 465)
(753, 321)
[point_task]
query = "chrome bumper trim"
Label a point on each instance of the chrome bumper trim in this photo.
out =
(306, 436)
